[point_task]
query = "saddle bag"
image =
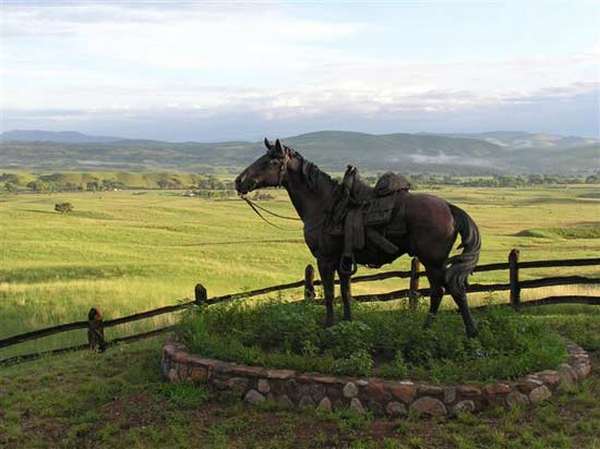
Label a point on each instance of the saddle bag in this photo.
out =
(380, 210)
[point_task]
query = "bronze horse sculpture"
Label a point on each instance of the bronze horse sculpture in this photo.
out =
(431, 226)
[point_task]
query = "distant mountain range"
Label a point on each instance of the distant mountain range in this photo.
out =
(520, 139)
(482, 153)
(37, 135)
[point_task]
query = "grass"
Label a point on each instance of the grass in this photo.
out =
(388, 343)
(123, 253)
(117, 400)
(580, 324)
(577, 231)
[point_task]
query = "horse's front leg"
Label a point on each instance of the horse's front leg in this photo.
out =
(327, 272)
(345, 286)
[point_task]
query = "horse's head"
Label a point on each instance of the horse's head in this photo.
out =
(269, 170)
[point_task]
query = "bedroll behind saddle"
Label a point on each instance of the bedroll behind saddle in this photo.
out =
(391, 182)
(366, 214)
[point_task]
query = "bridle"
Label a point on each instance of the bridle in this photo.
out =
(257, 208)
(284, 167)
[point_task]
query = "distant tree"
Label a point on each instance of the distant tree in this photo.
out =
(535, 179)
(593, 179)
(511, 181)
(37, 186)
(92, 186)
(111, 184)
(551, 179)
(63, 208)
(450, 180)
(54, 177)
(70, 186)
(10, 187)
(9, 177)
(212, 183)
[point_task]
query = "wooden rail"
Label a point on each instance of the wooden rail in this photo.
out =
(95, 325)
(298, 284)
(46, 332)
(481, 288)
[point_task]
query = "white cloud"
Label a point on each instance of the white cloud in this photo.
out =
(262, 59)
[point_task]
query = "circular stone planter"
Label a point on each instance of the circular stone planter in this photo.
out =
(382, 397)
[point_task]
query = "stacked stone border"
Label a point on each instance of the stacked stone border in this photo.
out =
(382, 397)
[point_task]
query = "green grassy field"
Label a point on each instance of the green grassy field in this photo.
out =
(130, 251)
(117, 400)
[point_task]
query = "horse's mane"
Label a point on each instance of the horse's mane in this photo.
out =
(312, 174)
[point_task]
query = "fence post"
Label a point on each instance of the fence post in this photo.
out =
(200, 295)
(96, 331)
(513, 269)
(413, 294)
(309, 286)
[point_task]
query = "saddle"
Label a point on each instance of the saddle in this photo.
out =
(363, 213)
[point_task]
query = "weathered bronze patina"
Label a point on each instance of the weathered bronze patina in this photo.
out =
(349, 222)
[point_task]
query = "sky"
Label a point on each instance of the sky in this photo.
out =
(230, 70)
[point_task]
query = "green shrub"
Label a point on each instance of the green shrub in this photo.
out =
(397, 368)
(291, 327)
(63, 208)
(288, 327)
(290, 335)
(348, 337)
(357, 363)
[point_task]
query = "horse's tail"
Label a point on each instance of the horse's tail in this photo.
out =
(459, 267)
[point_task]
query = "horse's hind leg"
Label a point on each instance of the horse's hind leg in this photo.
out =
(459, 295)
(435, 275)
(345, 283)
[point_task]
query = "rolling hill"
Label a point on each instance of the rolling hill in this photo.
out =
(486, 153)
(523, 140)
(37, 135)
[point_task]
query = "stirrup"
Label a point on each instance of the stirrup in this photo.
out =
(348, 265)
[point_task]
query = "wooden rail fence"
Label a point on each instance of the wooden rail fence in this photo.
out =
(95, 325)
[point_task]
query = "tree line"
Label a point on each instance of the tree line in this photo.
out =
(58, 182)
(502, 180)
(211, 186)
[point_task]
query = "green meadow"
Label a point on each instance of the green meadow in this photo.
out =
(130, 251)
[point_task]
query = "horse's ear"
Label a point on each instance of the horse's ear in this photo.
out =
(278, 148)
(268, 144)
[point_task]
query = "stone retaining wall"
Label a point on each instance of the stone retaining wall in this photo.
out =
(392, 398)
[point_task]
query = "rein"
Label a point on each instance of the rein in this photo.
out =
(257, 208)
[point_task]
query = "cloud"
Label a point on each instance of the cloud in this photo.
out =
(142, 62)
(258, 113)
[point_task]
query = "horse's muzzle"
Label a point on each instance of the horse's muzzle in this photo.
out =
(244, 185)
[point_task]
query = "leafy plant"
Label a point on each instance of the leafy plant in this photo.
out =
(397, 368)
(347, 338)
(281, 335)
(358, 363)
